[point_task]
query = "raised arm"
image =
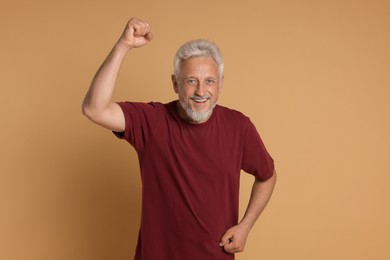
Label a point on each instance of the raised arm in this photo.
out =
(233, 241)
(98, 105)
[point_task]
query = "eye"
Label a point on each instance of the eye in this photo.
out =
(211, 82)
(191, 82)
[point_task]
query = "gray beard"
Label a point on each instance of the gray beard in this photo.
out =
(196, 116)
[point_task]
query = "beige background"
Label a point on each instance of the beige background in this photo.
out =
(312, 75)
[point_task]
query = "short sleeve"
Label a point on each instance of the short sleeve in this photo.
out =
(140, 121)
(256, 159)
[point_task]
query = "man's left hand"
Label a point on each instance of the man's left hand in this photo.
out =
(233, 241)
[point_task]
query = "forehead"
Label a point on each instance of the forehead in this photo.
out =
(197, 66)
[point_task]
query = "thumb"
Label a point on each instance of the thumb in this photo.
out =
(149, 36)
(226, 239)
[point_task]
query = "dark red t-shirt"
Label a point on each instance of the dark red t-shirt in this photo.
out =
(190, 178)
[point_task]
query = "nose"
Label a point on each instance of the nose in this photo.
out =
(200, 89)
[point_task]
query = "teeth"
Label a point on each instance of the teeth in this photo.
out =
(200, 100)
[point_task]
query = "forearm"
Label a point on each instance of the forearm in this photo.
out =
(233, 241)
(260, 195)
(99, 95)
(98, 105)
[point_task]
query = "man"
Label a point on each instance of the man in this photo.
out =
(191, 152)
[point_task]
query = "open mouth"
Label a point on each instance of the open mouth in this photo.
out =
(200, 100)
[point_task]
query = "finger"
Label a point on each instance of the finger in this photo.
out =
(227, 238)
(146, 28)
(149, 36)
(141, 28)
(137, 29)
(233, 247)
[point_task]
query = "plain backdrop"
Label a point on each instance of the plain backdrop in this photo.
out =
(314, 77)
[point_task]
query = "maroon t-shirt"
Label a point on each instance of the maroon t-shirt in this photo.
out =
(190, 178)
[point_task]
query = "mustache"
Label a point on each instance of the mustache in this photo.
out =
(196, 97)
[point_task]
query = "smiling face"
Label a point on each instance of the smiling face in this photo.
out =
(198, 87)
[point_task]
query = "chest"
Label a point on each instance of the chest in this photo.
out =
(212, 146)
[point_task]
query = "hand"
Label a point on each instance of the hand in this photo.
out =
(233, 241)
(136, 34)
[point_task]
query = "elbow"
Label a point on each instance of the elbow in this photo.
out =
(85, 111)
(88, 112)
(94, 114)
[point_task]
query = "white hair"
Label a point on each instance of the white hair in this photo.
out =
(198, 48)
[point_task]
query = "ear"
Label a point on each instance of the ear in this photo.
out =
(221, 83)
(175, 84)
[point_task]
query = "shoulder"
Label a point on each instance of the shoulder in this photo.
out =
(234, 120)
(231, 115)
(141, 106)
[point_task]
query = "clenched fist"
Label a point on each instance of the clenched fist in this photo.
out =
(136, 34)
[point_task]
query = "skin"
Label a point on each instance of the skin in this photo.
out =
(98, 105)
(198, 87)
(233, 241)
